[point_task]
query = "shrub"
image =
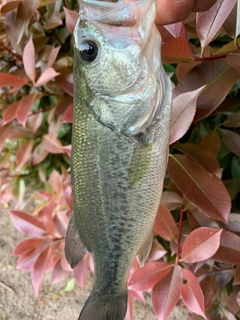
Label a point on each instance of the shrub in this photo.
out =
(195, 258)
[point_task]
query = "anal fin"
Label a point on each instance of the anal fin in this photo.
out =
(145, 249)
(74, 247)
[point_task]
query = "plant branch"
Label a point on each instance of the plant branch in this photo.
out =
(179, 236)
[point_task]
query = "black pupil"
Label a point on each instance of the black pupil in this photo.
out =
(88, 50)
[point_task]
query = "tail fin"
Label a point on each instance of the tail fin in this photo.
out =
(98, 308)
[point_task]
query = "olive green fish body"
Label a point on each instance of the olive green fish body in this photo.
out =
(122, 108)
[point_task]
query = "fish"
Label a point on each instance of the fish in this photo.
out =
(120, 137)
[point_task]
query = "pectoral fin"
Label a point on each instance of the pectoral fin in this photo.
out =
(74, 247)
(145, 249)
(140, 161)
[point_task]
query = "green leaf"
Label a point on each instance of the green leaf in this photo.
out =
(70, 285)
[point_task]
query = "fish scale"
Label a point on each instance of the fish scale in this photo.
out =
(119, 147)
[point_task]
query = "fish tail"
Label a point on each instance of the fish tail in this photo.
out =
(100, 308)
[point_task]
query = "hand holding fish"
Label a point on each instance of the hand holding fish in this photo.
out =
(171, 11)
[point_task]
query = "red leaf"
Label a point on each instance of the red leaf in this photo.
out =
(192, 294)
(25, 105)
(80, 272)
(200, 156)
(9, 6)
(27, 224)
(209, 289)
(34, 121)
(23, 152)
(165, 294)
(39, 269)
(176, 50)
(46, 76)
(146, 277)
(52, 145)
(229, 250)
(211, 142)
(201, 244)
(233, 60)
(177, 30)
(210, 21)
(183, 111)
(217, 76)
(165, 225)
(4, 134)
(8, 80)
(232, 141)
(67, 149)
(47, 215)
(67, 84)
(71, 19)
(68, 115)
(171, 200)
(56, 182)
(29, 60)
(58, 273)
(39, 154)
(10, 113)
(26, 261)
(233, 121)
(157, 251)
(27, 245)
(25, 11)
(54, 21)
(237, 276)
(53, 56)
(206, 192)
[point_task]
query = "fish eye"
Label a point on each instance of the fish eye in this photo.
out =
(88, 50)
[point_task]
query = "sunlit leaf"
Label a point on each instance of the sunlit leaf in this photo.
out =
(183, 111)
(46, 76)
(71, 19)
(206, 192)
(210, 21)
(146, 277)
(201, 244)
(27, 224)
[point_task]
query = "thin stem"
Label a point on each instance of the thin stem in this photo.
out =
(210, 58)
(180, 235)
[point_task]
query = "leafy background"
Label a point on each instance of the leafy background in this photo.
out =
(195, 258)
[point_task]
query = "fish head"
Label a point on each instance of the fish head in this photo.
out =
(118, 62)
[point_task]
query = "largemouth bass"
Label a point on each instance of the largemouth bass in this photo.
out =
(122, 110)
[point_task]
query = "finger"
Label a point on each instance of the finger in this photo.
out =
(203, 5)
(171, 11)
